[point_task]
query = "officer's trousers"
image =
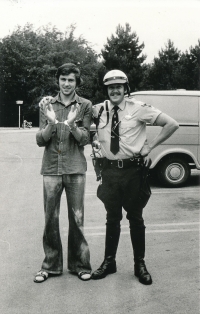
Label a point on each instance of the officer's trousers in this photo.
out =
(120, 188)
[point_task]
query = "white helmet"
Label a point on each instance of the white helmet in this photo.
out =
(115, 77)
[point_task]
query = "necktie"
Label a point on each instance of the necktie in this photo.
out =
(114, 144)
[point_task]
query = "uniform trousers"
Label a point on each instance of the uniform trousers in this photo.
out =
(120, 189)
(78, 251)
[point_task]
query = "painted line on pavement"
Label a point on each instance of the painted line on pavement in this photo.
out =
(162, 192)
(151, 225)
(151, 231)
(147, 225)
(147, 231)
(175, 191)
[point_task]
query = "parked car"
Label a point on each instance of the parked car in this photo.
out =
(173, 160)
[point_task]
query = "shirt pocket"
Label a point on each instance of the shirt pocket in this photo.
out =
(79, 120)
(54, 129)
(104, 132)
(127, 125)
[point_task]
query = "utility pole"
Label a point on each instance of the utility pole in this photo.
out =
(19, 102)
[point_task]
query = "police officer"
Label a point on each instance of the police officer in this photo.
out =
(121, 128)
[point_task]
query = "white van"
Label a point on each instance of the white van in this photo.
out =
(174, 159)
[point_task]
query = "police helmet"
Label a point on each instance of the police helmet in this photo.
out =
(116, 77)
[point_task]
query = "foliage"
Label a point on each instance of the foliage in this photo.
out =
(29, 59)
(161, 73)
(190, 68)
(123, 52)
(173, 69)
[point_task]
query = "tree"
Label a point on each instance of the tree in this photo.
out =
(29, 59)
(190, 68)
(173, 69)
(123, 52)
(161, 74)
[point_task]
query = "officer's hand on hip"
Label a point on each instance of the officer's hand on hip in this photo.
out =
(145, 151)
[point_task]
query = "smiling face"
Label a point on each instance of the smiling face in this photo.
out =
(116, 93)
(67, 84)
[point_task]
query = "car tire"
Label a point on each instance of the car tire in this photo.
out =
(173, 172)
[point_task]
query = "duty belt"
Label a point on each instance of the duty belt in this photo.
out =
(124, 163)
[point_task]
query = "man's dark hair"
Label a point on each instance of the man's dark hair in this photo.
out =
(68, 68)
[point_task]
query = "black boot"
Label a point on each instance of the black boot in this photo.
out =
(107, 267)
(138, 242)
(142, 273)
(111, 243)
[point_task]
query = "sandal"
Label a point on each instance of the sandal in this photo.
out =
(43, 275)
(83, 275)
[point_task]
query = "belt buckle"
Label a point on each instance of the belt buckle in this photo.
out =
(120, 163)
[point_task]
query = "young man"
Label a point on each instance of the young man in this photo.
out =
(121, 124)
(64, 130)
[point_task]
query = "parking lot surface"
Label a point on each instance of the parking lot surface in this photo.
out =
(172, 244)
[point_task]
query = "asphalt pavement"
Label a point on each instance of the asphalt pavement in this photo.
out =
(172, 244)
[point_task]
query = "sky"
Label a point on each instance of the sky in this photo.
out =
(154, 21)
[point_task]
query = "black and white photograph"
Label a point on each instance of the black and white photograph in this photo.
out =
(99, 156)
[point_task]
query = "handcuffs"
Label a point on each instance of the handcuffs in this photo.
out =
(65, 122)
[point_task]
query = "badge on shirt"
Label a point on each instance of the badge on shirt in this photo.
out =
(127, 117)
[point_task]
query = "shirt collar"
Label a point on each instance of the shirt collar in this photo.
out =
(121, 105)
(75, 99)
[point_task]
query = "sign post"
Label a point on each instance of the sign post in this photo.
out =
(19, 102)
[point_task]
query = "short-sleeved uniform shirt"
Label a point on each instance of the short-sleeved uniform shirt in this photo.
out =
(133, 117)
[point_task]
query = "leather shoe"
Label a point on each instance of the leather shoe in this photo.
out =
(142, 273)
(105, 269)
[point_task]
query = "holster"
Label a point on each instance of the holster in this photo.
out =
(98, 164)
(145, 190)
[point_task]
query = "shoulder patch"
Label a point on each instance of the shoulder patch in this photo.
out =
(146, 105)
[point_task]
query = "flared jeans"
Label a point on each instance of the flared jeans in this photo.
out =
(78, 250)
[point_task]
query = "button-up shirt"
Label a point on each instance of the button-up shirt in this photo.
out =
(133, 117)
(63, 154)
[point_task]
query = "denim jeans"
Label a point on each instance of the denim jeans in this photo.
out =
(78, 251)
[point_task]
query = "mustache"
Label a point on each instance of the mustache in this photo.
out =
(115, 93)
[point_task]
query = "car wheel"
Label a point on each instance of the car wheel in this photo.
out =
(173, 172)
